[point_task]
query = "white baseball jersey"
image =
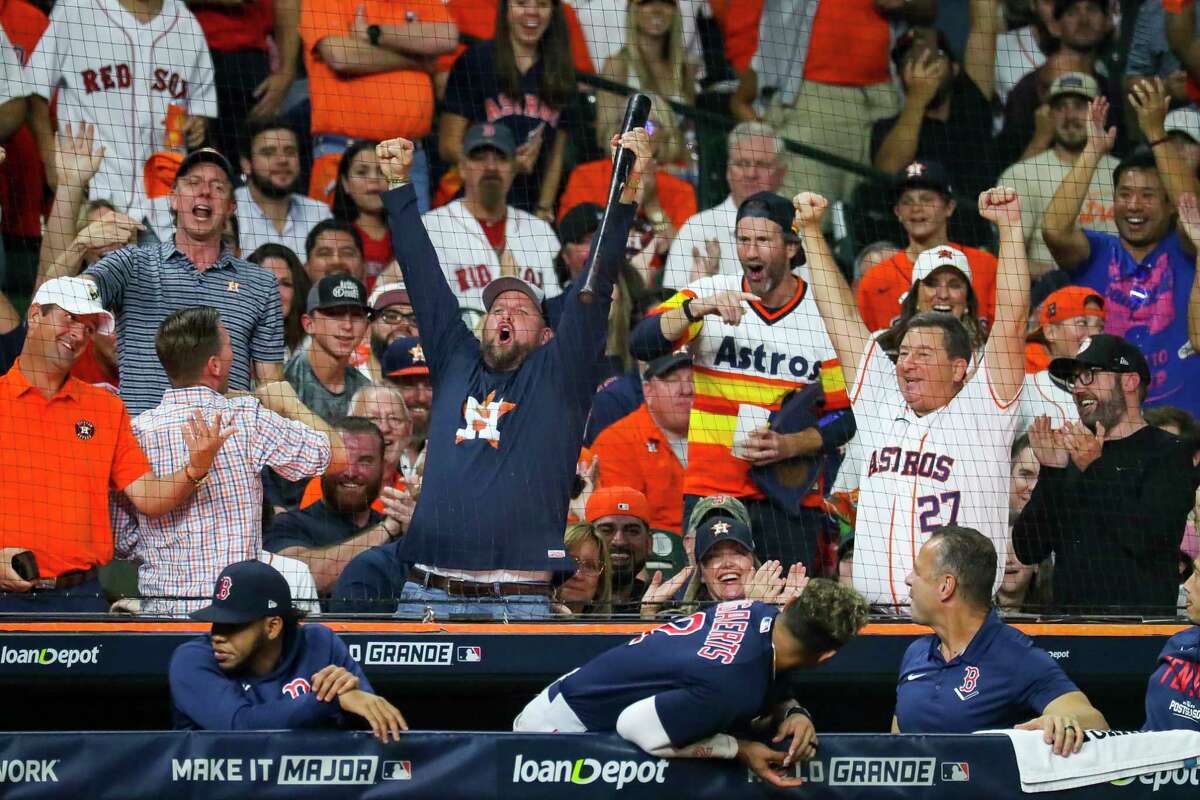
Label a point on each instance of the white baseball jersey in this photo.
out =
(122, 76)
(11, 75)
(1042, 396)
(470, 263)
(950, 466)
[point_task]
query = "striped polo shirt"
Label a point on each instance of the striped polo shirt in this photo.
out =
(143, 285)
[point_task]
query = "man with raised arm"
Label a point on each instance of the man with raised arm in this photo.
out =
(1145, 272)
(507, 418)
(935, 433)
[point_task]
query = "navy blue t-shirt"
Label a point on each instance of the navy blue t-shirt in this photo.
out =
(1173, 694)
(203, 697)
(707, 672)
(1000, 680)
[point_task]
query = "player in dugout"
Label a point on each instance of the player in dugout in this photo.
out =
(974, 672)
(1171, 693)
(259, 669)
(668, 690)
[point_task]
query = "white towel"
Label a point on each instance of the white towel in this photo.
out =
(1106, 756)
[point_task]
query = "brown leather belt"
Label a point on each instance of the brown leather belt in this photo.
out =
(68, 580)
(473, 588)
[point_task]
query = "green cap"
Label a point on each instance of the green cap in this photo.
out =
(722, 503)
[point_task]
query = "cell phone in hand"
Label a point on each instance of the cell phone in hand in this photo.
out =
(25, 565)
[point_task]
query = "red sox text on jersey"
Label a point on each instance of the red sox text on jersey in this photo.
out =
(120, 76)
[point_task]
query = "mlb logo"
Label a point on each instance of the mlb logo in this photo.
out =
(396, 771)
(470, 654)
(956, 772)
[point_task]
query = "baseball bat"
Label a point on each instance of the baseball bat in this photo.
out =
(637, 111)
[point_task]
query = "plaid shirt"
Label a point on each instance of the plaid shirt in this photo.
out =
(183, 552)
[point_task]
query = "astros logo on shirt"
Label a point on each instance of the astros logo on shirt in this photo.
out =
(482, 420)
(297, 687)
(970, 684)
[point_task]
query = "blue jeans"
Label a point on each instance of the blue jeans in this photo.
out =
(326, 143)
(417, 602)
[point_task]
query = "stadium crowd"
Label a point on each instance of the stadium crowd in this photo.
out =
(324, 283)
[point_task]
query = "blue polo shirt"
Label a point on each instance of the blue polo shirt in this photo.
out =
(1000, 680)
(1147, 303)
(1173, 693)
(708, 673)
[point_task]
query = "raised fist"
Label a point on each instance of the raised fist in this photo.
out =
(395, 158)
(1000, 205)
(810, 207)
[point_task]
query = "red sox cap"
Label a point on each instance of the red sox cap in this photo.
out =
(245, 592)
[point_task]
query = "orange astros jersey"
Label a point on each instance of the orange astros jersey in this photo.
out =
(757, 362)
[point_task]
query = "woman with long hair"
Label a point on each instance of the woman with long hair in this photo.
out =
(293, 289)
(358, 199)
(524, 79)
(652, 60)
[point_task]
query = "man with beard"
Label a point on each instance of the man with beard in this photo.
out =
(647, 450)
(405, 367)
(621, 515)
(754, 338)
(331, 532)
(1146, 271)
(1036, 178)
(182, 553)
(391, 318)
(269, 209)
(507, 423)
(479, 237)
(258, 669)
(924, 204)
(947, 113)
(1113, 494)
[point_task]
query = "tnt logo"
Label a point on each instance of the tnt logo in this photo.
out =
(396, 771)
(470, 654)
(956, 772)
(223, 588)
(297, 687)
(970, 684)
(482, 420)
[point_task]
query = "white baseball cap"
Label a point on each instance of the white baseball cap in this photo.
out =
(78, 296)
(1185, 121)
(936, 258)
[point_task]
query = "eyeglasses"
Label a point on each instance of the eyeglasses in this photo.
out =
(392, 317)
(591, 568)
(1085, 377)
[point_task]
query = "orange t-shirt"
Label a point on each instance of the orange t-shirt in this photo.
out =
(634, 452)
(849, 45)
(881, 288)
(739, 25)
(1037, 357)
(589, 182)
(382, 105)
(312, 492)
(60, 458)
(478, 18)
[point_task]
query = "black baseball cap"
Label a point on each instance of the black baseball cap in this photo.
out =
(245, 592)
(769, 205)
(665, 364)
(720, 528)
(579, 222)
(1104, 352)
(924, 175)
(338, 289)
(489, 134)
(205, 155)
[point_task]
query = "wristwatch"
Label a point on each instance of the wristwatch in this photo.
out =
(373, 34)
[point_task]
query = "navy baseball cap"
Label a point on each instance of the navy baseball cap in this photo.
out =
(205, 155)
(924, 175)
(404, 356)
(489, 134)
(667, 363)
(720, 528)
(768, 205)
(245, 592)
(1104, 352)
(579, 222)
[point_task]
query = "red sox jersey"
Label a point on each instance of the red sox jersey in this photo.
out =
(123, 76)
(470, 262)
(950, 466)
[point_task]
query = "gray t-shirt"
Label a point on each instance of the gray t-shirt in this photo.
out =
(324, 403)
